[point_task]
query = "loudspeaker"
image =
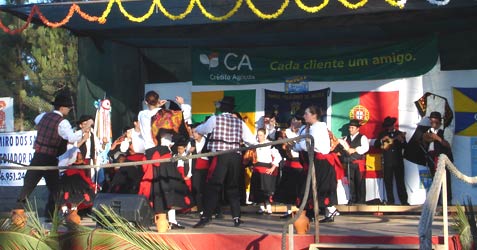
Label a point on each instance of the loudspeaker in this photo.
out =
(134, 208)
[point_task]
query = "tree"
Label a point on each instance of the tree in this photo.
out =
(34, 66)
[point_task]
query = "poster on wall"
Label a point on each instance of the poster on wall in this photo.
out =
(6, 114)
(17, 147)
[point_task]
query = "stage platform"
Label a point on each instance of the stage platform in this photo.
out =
(264, 231)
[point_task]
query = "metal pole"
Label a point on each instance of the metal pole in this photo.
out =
(444, 210)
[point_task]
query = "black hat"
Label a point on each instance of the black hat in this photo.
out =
(435, 115)
(63, 99)
(84, 118)
(355, 123)
(389, 121)
(228, 100)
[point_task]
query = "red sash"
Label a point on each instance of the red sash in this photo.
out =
(136, 157)
(201, 164)
(362, 165)
(293, 164)
(334, 161)
(263, 169)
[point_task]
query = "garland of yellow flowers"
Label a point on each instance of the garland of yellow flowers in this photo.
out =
(238, 4)
(175, 17)
(308, 9)
(353, 6)
(260, 14)
(102, 19)
(397, 3)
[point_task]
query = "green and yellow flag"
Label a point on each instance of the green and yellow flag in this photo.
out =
(203, 105)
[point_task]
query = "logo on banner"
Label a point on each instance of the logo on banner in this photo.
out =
(233, 63)
(360, 113)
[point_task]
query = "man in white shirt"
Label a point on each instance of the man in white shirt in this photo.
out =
(54, 132)
(355, 160)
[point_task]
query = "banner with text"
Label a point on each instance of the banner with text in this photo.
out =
(17, 147)
(233, 66)
(285, 106)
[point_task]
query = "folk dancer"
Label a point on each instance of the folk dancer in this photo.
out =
(226, 132)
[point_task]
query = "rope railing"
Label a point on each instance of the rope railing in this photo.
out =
(430, 205)
(311, 178)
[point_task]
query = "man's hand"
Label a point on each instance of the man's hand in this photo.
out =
(351, 151)
(271, 170)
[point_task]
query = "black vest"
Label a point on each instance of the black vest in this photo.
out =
(83, 149)
(354, 144)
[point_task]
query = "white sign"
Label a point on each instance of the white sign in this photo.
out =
(6, 114)
(17, 147)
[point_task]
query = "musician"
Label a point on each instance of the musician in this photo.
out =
(355, 160)
(392, 142)
(435, 144)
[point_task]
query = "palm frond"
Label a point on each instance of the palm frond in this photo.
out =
(135, 236)
(461, 225)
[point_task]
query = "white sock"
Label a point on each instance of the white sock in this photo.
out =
(289, 209)
(269, 208)
(262, 208)
(171, 215)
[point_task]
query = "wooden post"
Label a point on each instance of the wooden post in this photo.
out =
(291, 244)
(444, 210)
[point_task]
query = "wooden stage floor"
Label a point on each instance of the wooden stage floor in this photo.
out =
(264, 231)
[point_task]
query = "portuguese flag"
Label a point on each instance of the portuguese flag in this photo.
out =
(203, 105)
(370, 108)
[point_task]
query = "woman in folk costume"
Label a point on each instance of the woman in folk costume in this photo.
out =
(77, 191)
(289, 190)
(264, 174)
(324, 170)
(161, 183)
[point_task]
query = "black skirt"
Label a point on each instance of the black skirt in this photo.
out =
(76, 189)
(289, 189)
(262, 185)
(168, 190)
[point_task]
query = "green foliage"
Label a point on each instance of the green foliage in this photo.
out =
(116, 233)
(465, 224)
(34, 66)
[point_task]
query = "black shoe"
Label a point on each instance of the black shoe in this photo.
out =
(203, 221)
(327, 219)
(237, 222)
(173, 226)
(260, 212)
(286, 216)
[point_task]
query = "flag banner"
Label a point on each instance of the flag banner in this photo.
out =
(285, 106)
(203, 105)
(465, 105)
(235, 66)
(6, 114)
(374, 167)
(430, 102)
(370, 108)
